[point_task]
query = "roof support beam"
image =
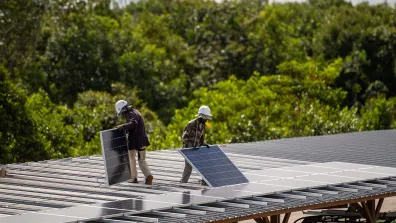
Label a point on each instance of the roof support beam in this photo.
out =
(273, 219)
(379, 206)
(286, 218)
(259, 220)
(369, 210)
(323, 206)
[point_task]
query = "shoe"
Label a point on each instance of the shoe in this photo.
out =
(134, 181)
(149, 180)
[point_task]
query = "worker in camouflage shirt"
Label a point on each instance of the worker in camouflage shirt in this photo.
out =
(193, 136)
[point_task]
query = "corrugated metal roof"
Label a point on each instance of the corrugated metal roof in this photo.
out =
(371, 147)
(36, 186)
(54, 184)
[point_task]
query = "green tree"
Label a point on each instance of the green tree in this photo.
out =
(264, 107)
(58, 138)
(19, 141)
(94, 111)
(378, 113)
(19, 33)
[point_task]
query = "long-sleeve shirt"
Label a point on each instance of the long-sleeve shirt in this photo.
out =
(193, 134)
(137, 136)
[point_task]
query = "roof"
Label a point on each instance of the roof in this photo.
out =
(370, 147)
(56, 184)
(81, 180)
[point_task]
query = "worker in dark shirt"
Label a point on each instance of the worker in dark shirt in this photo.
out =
(137, 140)
(193, 136)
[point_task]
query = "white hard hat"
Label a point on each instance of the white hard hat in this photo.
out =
(120, 105)
(204, 112)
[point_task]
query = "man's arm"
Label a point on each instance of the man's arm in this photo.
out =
(202, 141)
(128, 126)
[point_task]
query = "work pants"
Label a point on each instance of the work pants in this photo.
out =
(186, 173)
(142, 163)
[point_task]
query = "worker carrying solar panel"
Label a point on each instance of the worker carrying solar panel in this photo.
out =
(137, 140)
(193, 136)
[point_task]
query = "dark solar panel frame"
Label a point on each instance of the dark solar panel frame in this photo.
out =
(204, 159)
(115, 156)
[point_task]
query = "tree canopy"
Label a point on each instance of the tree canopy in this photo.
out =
(267, 71)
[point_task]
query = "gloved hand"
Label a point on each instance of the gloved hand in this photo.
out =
(207, 146)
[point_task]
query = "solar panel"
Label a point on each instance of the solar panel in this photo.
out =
(278, 173)
(214, 166)
(257, 178)
(328, 178)
(87, 212)
(223, 193)
(38, 218)
(115, 156)
(344, 166)
(156, 202)
(360, 174)
(296, 183)
(180, 198)
(312, 169)
(259, 188)
(383, 170)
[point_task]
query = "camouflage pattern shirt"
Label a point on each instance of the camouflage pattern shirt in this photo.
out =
(193, 134)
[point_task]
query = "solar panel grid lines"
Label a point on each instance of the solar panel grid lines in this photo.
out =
(213, 166)
(116, 159)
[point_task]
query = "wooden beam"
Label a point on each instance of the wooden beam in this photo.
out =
(266, 219)
(371, 207)
(307, 207)
(275, 219)
(358, 207)
(259, 220)
(379, 206)
(367, 213)
(286, 218)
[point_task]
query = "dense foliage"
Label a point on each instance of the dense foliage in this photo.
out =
(267, 71)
